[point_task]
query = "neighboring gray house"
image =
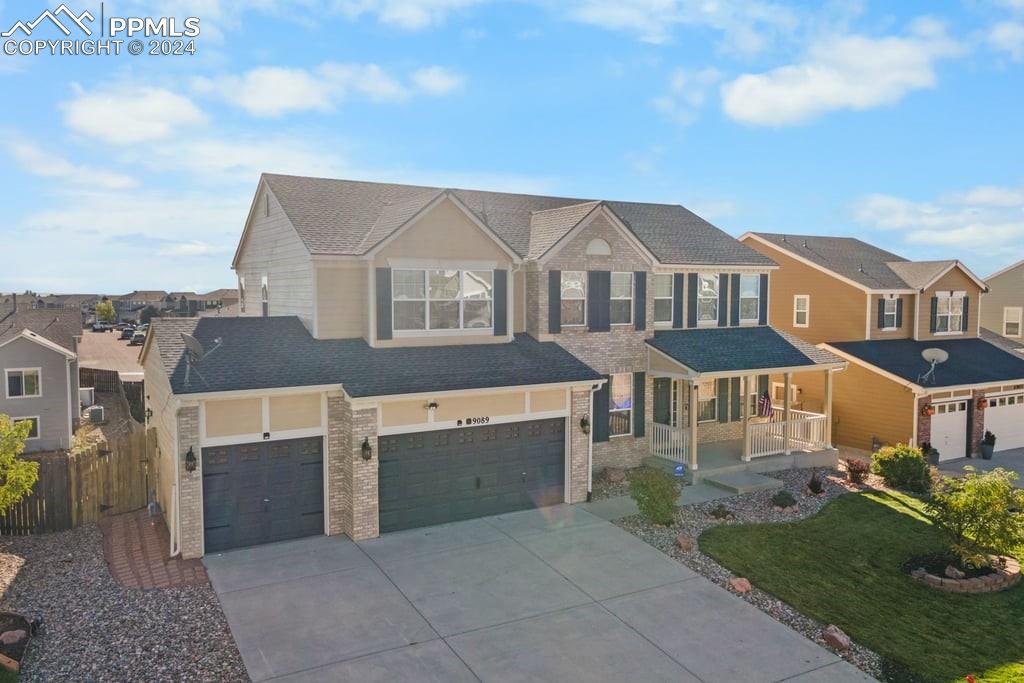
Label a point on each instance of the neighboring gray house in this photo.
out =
(1002, 309)
(39, 364)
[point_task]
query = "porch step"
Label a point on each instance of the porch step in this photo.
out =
(742, 482)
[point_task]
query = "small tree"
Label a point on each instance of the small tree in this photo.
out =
(148, 313)
(902, 467)
(17, 476)
(105, 311)
(655, 493)
(980, 514)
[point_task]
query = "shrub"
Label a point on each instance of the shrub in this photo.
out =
(814, 485)
(655, 493)
(17, 476)
(979, 514)
(902, 467)
(783, 499)
(857, 470)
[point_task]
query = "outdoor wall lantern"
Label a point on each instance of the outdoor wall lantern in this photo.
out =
(585, 424)
(149, 414)
(190, 460)
(928, 410)
(432, 406)
(367, 448)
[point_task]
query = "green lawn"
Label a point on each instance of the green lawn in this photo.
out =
(843, 567)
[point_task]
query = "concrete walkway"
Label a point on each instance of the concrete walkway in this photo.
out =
(541, 595)
(1009, 460)
(623, 506)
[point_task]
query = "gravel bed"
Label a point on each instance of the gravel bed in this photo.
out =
(757, 507)
(95, 630)
(601, 488)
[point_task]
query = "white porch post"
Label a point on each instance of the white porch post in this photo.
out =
(786, 415)
(745, 415)
(694, 409)
(828, 408)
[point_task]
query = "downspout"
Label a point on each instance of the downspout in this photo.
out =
(71, 405)
(590, 447)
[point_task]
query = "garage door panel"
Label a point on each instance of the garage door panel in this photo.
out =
(1004, 417)
(949, 429)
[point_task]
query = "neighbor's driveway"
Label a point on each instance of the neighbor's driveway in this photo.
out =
(1009, 460)
(540, 595)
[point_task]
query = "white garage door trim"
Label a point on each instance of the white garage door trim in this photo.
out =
(949, 428)
(1004, 417)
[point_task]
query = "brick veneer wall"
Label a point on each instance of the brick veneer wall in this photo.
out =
(190, 485)
(977, 422)
(924, 421)
(352, 481)
(578, 446)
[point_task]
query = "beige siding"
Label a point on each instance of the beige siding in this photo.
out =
(905, 331)
(550, 399)
(1006, 290)
(450, 408)
(480, 405)
(867, 405)
(164, 422)
(953, 281)
(298, 411)
(342, 301)
(398, 413)
(234, 417)
(837, 311)
(273, 248)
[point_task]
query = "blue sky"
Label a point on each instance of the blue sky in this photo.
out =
(900, 123)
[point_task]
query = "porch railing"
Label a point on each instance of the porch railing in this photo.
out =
(669, 442)
(806, 432)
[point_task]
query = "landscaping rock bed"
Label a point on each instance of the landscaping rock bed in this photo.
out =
(92, 629)
(612, 482)
(754, 508)
(940, 571)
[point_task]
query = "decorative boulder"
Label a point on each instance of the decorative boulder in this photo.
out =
(954, 573)
(12, 637)
(835, 638)
(614, 475)
(740, 584)
(684, 543)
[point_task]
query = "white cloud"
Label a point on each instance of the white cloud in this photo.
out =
(48, 165)
(437, 80)
(192, 249)
(842, 72)
(128, 114)
(686, 94)
(1008, 36)
(991, 195)
(405, 14)
(274, 91)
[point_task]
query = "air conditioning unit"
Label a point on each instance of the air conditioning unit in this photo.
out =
(86, 396)
(95, 414)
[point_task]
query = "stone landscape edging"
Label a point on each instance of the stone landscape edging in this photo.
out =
(1003, 578)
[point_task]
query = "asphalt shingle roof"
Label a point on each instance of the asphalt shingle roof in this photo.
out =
(58, 325)
(275, 352)
(725, 349)
(350, 217)
(971, 361)
(919, 274)
(850, 257)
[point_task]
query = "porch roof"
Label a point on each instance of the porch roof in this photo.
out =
(718, 350)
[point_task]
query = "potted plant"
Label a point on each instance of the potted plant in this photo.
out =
(931, 454)
(988, 445)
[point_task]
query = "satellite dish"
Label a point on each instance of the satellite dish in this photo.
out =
(935, 356)
(193, 346)
(196, 353)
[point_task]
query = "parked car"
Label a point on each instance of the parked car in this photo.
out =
(101, 327)
(127, 333)
(138, 338)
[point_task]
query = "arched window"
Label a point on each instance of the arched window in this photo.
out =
(598, 247)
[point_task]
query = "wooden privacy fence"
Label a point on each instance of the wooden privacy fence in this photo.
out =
(81, 487)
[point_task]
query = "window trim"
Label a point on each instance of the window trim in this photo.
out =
(701, 399)
(886, 314)
(950, 296)
(586, 293)
(7, 386)
(757, 308)
(712, 322)
(1019, 321)
(670, 298)
(39, 426)
(611, 409)
(427, 331)
(806, 311)
(630, 299)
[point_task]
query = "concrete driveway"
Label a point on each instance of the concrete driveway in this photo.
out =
(1008, 460)
(540, 595)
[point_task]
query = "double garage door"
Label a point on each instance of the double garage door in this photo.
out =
(436, 477)
(1004, 417)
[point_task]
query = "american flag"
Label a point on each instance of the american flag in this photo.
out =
(764, 406)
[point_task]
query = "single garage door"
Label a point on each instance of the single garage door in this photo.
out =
(436, 477)
(949, 429)
(262, 492)
(1004, 417)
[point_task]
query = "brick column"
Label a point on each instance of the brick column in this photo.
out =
(365, 507)
(977, 423)
(190, 485)
(579, 446)
(339, 479)
(924, 421)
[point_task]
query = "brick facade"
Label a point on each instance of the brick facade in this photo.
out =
(924, 421)
(579, 446)
(352, 481)
(190, 484)
(977, 422)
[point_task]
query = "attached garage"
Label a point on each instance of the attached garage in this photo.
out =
(1004, 417)
(434, 477)
(262, 492)
(949, 429)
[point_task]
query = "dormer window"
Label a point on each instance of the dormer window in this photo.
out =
(439, 299)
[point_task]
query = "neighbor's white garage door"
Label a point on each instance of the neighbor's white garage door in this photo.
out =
(1004, 417)
(949, 429)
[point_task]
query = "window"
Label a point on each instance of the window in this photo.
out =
(24, 383)
(801, 310)
(620, 408)
(442, 299)
(265, 289)
(889, 314)
(622, 299)
(707, 298)
(33, 433)
(750, 298)
(707, 394)
(1012, 321)
(598, 247)
(574, 297)
(663, 298)
(949, 313)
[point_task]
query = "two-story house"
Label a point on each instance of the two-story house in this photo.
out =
(407, 356)
(1002, 309)
(920, 371)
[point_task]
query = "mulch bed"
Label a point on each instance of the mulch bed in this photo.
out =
(936, 564)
